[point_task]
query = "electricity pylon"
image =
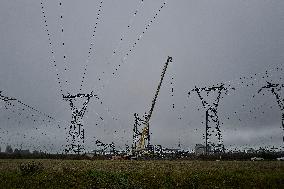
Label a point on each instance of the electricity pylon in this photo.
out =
(212, 123)
(76, 137)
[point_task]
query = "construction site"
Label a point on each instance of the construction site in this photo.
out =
(141, 94)
(115, 85)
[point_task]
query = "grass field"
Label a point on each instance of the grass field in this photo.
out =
(140, 174)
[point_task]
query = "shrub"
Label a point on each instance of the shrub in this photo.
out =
(31, 168)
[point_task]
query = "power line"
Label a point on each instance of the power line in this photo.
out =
(131, 49)
(92, 45)
(53, 62)
(63, 42)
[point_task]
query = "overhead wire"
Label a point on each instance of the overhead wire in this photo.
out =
(53, 61)
(92, 44)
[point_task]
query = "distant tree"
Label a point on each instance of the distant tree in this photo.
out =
(25, 152)
(35, 152)
(9, 149)
(16, 151)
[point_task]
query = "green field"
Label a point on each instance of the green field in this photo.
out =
(140, 174)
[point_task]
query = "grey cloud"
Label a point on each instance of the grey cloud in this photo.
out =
(210, 42)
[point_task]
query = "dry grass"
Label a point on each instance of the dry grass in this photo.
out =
(144, 174)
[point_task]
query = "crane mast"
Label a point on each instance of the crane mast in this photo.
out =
(141, 138)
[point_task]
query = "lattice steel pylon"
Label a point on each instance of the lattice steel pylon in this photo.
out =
(141, 134)
(76, 137)
(212, 123)
(275, 89)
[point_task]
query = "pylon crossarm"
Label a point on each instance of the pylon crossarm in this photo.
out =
(275, 89)
(5, 98)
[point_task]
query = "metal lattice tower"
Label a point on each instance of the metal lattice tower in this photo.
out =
(141, 136)
(275, 89)
(212, 123)
(76, 137)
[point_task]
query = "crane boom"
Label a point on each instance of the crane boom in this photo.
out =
(159, 87)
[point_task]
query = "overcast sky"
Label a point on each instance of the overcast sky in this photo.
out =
(210, 42)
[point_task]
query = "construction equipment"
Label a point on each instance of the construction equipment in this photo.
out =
(141, 135)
